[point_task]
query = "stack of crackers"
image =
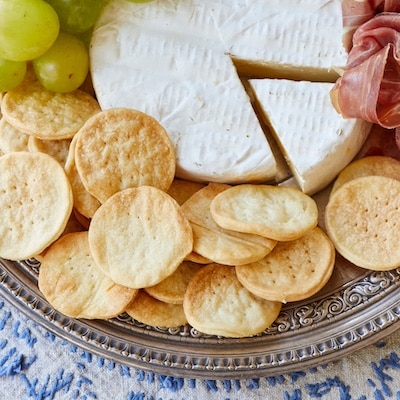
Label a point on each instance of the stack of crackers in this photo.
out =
(93, 195)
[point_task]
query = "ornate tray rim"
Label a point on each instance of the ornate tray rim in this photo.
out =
(325, 327)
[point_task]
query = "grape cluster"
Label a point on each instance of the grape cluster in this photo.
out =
(53, 35)
(49, 35)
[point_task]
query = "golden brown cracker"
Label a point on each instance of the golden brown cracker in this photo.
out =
(216, 303)
(123, 148)
(362, 219)
(12, 139)
(35, 203)
(45, 114)
(197, 258)
(215, 243)
(279, 213)
(73, 284)
(172, 289)
(139, 236)
(294, 270)
(181, 189)
(150, 311)
(58, 149)
(84, 202)
(371, 165)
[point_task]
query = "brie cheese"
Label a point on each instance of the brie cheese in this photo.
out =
(315, 140)
(178, 61)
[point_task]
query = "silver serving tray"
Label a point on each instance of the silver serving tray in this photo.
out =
(355, 309)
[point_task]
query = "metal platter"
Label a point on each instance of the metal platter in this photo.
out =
(356, 308)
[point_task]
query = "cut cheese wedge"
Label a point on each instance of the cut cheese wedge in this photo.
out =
(178, 61)
(315, 140)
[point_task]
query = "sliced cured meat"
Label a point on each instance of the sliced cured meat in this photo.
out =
(357, 12)
(370, 85)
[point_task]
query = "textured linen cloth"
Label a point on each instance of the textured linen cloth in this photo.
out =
(35, 364)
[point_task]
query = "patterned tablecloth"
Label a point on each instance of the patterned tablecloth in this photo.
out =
(35, 364)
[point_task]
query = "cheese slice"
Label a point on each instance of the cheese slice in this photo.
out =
(315, 140)
(283, 38)
(178, 60)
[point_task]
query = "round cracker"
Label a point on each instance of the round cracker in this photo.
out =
(279, 213)
(73, 284)
(181, 189)
(150, 311)
(58, 149)
(216, 303)
(122, 148)
(85, 204)
(11, 139)
(362, 219)
(294, 270)
(139, 236)
(197, 258)
(371, 165)
(73, 225)
(221, 245)
(172, 289)
(35, 203)
(45, 114)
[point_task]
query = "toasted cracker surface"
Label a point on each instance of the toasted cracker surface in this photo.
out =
(47, 115)
(279, 213)
(150, 311)
(12, 139)
(294, 270)
(58, 149)
(181, 189)
(84, 202)
(74, 285)
(122, 148)
(218, 244)
(217, 303)
(73, 225)
(363, 220)
(35, 203)
(172, 289)
(197, 258)
(371, 165)
(139, 236)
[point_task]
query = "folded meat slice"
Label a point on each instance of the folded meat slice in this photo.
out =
(357, 12)
(370, 85)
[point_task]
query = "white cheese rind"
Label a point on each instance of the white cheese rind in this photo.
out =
(316, 141)
(172, 60)
(188, 84)
(284, 35)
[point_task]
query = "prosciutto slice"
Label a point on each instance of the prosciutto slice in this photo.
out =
(370, 85)
(357, 12)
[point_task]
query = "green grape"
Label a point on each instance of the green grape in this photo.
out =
(138, 1)
(12, 73)
(64, 66)
(77, 16)
(28, 28)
